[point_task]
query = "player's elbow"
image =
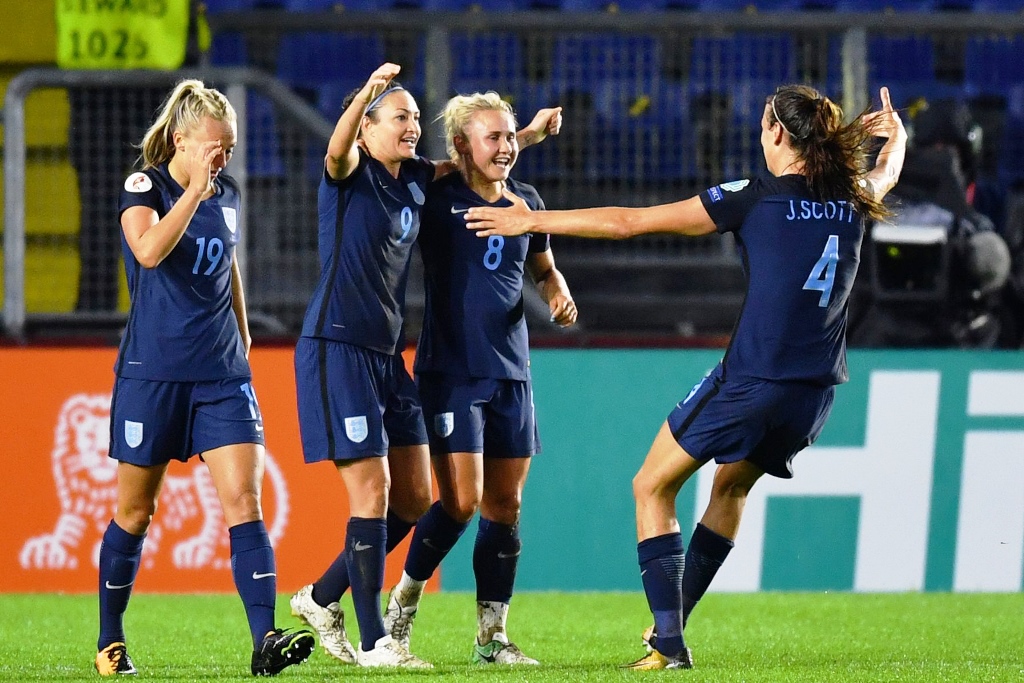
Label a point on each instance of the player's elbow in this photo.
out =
(148, 258)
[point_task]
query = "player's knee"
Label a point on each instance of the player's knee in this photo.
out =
(135, 518)
(730, 486)
(410, 506)
(644, 486)
(462, 508)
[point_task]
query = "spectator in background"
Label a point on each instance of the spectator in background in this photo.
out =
(800, 228)
(473, 371)
(358, 406)
(183, 384)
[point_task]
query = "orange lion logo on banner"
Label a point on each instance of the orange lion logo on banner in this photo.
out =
(188, 529)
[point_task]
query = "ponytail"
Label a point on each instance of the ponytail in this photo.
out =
(184, 108)
(835, 156)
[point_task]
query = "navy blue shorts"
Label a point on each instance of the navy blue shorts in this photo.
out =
(152, 423)
(353, 402)
(766, 423)
(490, 416)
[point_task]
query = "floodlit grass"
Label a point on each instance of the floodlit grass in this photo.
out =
(578, 636)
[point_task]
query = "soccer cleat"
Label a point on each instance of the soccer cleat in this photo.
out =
(398, 620)
(389, 652)
(649, 638)
(500, 651)
(113, 660)
(654, 660)
(328, 622)
(280, 649)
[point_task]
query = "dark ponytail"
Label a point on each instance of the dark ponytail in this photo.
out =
(835, 156)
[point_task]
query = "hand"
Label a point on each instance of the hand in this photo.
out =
(886, 122)
(507, 221)
(563, 310)
(199, 165)
(546, 122)
(378, 80)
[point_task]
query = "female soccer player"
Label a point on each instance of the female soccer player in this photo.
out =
(472, 370)
(357, 404)
(800, 229)
(183, 382)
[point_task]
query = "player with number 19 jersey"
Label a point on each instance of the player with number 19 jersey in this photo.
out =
(801, 257)
(181, 325)
(473, 324)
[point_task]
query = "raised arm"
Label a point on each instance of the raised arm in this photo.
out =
(886, 123)
(687, 217)
(342, 154)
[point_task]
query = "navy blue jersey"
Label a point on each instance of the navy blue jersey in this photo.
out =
(474, 324)
(181, 325)
(801, 257)
(368, 223)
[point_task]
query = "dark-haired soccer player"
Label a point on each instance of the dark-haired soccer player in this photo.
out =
(183, 380)
(357, 404)
(473, 371)
(800, 229)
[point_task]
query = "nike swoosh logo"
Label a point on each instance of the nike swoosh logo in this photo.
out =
(643, 572)
(114, 588)
(505, 556)
(259, 428)
(430, 544)
(257, 577)
(454, 210)
(360, 546)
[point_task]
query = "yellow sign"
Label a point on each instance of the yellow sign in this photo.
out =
(121, 34)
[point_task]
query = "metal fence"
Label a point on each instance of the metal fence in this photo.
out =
(656, 108)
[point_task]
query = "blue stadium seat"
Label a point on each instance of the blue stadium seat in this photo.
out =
(332, 5)
(1011, 152)
(308, 60)
(992, 64)
(900, 58)
(883, 5)
(997, 6)
(263, 144)
(219, 6)
(582, 59)
(487, 55)
(228, 49)
(723, 60)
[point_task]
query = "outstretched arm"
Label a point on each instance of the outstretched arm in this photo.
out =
(342, 154)
(687, 217)
(886, 123)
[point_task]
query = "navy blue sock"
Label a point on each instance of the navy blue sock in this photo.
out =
(364, 545)
(436, 534)
(661, 570)
(120, 552)
(704, 557)
(495, 560)
(334, 582)
(252, 565)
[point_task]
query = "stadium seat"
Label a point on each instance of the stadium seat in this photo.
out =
(308, 60)
(583, 59)
(993, 64)
(717, 61)
(900, 58)
(219, 6)
(883, 5)
(1011, 152)
(262, 139)
(498, 56)
(228, 49)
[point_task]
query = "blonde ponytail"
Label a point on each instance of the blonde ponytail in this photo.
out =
(184, 108)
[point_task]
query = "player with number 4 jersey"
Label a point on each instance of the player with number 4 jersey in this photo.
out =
(799, 230)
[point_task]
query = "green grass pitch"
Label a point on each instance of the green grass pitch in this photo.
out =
(746, 638)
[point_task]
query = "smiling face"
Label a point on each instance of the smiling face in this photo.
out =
(392, 137)
(488, 145)
(209, 130)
